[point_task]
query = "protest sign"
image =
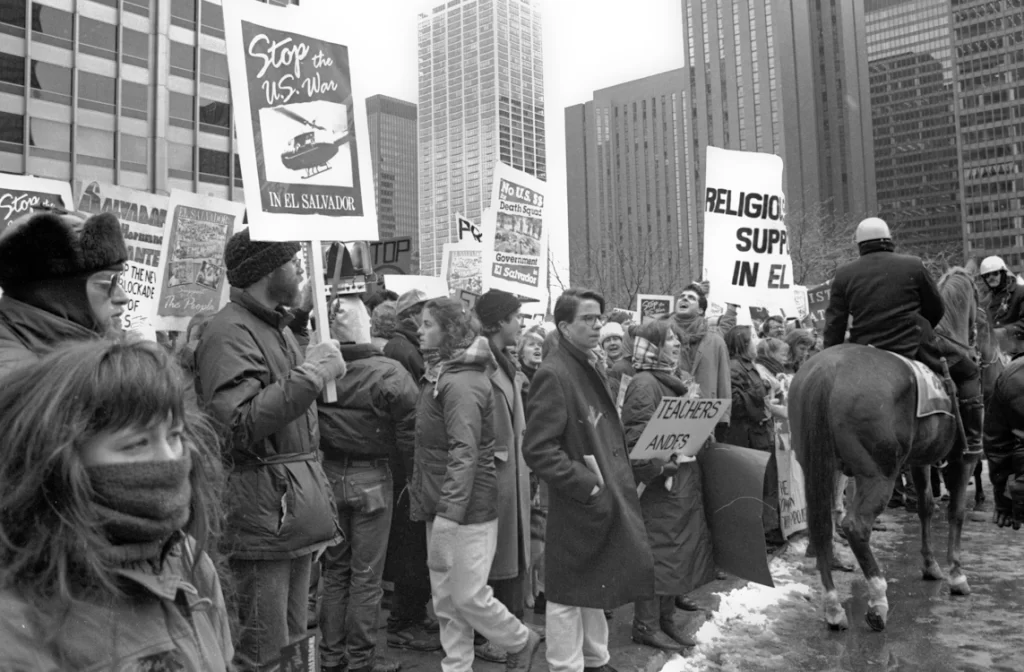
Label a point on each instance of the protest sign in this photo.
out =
(744, 230)
(817, 303)
(298, 656)
(792, 497)
(400, 284)
(467, 297)
(462, 267)
(392, 256)
(193, 278)
(653, 306)
(515, 243)
(20, 193)
(800, 297)
(468, 231)
(679, 427)
(301, 123)
(142, 218)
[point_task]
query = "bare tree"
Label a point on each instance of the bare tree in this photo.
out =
(621, 272)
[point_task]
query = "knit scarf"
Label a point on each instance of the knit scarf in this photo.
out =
(773, 366)
(691, 332)
(475, 352)
(141, 505)
(649, 357)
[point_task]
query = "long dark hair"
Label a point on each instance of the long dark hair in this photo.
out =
(458, 324)
(737, 340)
(51, 541)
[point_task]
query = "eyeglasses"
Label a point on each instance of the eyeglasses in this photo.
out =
(112, 284)
(594, 320)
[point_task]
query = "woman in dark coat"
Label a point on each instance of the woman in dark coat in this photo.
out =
(751, 425)
(674, 518)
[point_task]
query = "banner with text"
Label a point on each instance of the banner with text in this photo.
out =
(301, 122)
(392, 256)
(462, 267)
(792, 497)
(817, 303)
(515, 242)
(653, 306)
(142, 218)
(745, 231)
(679, 426)
(468, 231)
(20, 193)
(193, 278)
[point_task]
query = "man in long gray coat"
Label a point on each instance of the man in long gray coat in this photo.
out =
(596, 556)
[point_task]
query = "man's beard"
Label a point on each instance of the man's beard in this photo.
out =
(283, 291)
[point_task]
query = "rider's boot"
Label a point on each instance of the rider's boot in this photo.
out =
(972, 413)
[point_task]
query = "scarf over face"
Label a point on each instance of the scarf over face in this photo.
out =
(649, 357)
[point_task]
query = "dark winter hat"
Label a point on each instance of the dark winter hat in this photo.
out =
(495, 305)
(249, 260)
(49, 245)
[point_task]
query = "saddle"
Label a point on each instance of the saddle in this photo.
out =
(932, 397)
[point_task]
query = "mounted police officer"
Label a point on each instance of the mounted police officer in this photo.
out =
(895, 305)
(1006, 306)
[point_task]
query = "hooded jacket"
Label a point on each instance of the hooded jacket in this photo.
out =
(404, 347)
(28, 333)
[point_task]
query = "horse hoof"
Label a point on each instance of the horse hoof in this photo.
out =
(958, 585)
(932, 572)
(835, 614)
(876, 621)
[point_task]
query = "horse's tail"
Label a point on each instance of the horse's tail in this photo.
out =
(816, 449)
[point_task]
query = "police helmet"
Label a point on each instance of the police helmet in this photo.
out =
(992, 265)
(872, 228)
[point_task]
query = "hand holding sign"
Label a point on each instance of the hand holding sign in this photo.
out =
(678, 428)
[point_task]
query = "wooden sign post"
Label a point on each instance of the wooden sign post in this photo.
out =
(315, 255)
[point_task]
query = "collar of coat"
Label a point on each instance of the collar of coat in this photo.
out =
(476, 357)
(39, 327)
(278, 319)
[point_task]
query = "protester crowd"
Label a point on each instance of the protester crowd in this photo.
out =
(198, 504)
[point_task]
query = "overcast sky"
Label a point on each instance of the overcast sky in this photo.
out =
(588, 45)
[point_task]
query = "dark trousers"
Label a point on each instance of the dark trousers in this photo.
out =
(272, 599)
(655, 611)
(352, 570)
(406, 564)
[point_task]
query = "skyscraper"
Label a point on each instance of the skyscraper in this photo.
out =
(913, 112)
(631, 195)
(132, 93)
(989, 40)
(392, 125)
(481, 100)
(781, 76)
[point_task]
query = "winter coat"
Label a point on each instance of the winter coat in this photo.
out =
(28, 333)
(454, 474)
(893, 301)
(596, 553)
(171, 620)
(751, 426)
(511, 556)
(404, 347)
(710, 369)
(1003, 416)
(1006, 311)
(375, 413)
(252, 380)
(677, 529)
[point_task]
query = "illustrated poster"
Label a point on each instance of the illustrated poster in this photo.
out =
(515, 243)
(461, 267)
(20, 193)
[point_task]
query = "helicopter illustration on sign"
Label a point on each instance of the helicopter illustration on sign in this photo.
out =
(311, 151)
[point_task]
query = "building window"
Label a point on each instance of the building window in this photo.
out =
(96, 92)
(134, 153)
(181, 109)
(49, 139)
(214, 117)
(97, 38)
(238, 171)
(213, 68)
(183, 60)
(52, 26)
(134, 100)
(183, 13)
(94, 147)
(140, 7)
(51, 82)
(12, 17)
(181, 161)
(213, 166)
(12, 74)
(12, 133)
(134, 47)
(212, 20)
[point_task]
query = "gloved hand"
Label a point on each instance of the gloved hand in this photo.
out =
(326, 356)
(668, 467)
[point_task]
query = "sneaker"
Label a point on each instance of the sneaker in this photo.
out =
(379, 665)
(414, 638)
(539, 629)
(489, 652)
(522, 660)
(430, 625)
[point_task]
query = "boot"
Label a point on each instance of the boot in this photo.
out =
(655, 638)
(972, 414)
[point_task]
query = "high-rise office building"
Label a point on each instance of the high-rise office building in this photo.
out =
(989, 40)
(392, 125)
(781, 76)
(132, 93)
(913, 112)
(481, 100)
(631, 195)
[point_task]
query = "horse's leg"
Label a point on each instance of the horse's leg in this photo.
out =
(931, 571)
(957, 478)
(872, 494)
(835, 614)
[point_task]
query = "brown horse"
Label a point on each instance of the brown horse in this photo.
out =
(852, 408)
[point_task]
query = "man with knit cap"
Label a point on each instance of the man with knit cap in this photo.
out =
(253, 380)
(60, 275)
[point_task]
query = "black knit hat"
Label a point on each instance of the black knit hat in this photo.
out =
(495, 305)
(48, 245)
(249, 260)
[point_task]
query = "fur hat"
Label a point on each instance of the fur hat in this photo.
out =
(47, 245)
(609, 330)
(249, 260)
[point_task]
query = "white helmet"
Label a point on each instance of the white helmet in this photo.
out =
(992, 265)
(872, 228)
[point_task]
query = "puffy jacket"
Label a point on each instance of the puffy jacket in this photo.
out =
(375, 414)
(172, 620)
(28, 333)
(250, 377)
(454, 473)
(750, 427)
(404, 347)
(890, 297)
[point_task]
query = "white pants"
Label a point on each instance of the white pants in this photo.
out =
(577, 637)
(460, 560)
